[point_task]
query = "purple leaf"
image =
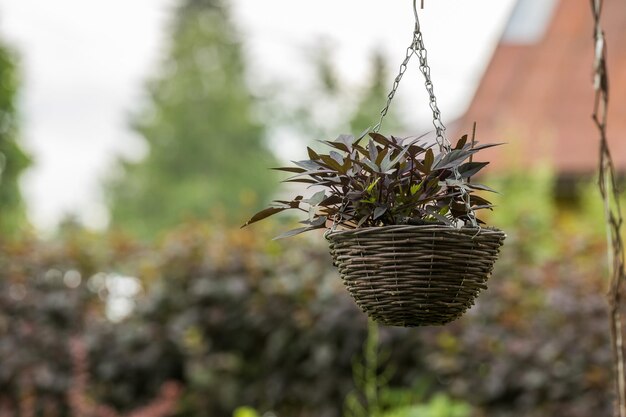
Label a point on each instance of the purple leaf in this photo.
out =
(379, 212)
(263, 214)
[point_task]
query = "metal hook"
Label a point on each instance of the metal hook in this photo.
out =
(417, 19)
(415, 10)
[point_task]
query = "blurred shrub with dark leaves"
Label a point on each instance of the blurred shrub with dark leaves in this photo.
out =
(234, 319)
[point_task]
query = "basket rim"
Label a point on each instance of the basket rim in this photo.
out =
(483, 231)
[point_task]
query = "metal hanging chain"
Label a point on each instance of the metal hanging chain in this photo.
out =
(410, 51)
(613, 212)
(417, 48)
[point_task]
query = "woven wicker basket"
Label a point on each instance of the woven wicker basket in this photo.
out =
(415, 275)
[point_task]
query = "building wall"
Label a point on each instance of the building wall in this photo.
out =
(539, 97)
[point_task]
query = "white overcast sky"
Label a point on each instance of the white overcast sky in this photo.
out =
(84, 64)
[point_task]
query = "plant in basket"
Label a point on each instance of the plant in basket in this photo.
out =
(401, 218)
(386, 181)
(401, 223)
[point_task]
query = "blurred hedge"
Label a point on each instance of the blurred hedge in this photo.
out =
(240, 320)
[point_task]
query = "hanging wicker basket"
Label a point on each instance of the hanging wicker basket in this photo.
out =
(415, 275)
(401, 275)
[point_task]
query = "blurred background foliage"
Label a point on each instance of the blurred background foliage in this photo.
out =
(240, 320)
(13, 159)
(175, 293)
(208, 154)
(206, 151)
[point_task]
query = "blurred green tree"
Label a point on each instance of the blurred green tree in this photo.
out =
(13, 160)
(207, 157)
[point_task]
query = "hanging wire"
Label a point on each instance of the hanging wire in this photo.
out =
(418, 48)
(613, 213)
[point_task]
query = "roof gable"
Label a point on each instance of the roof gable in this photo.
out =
(538, 97)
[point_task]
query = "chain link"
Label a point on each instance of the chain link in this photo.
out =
(422, 55)
(396, 82)
(418, 48)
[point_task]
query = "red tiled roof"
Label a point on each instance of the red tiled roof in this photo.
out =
(538, 98)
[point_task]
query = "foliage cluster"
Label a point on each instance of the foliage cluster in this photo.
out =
(237, 320)
(206, 151)
(388, 181)
(373, 397)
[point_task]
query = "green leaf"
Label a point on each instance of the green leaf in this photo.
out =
(372, 185)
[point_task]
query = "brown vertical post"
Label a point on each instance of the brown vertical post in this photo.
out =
(613, 213)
